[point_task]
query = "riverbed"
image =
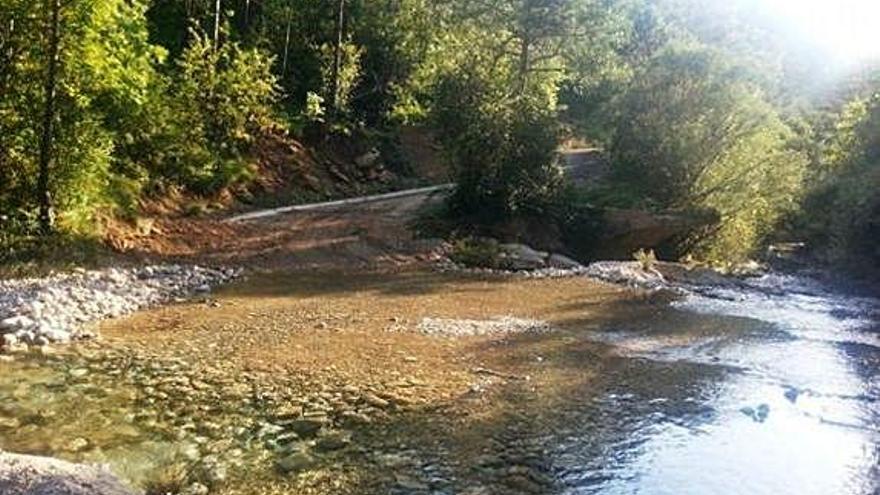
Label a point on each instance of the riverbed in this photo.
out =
(323, 383)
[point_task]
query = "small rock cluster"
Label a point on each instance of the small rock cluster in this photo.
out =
(522, 260)
(24, 474)
(630, 273)
(443, 327)
(40, 311)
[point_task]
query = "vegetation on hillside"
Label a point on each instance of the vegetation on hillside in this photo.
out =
(103, 102)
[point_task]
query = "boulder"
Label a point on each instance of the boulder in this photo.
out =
(624, 231)
(563, 262)
(31, 475)
(16, 323)
(368, 159)
(522, 257)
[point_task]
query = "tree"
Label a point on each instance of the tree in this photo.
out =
(695, 132)
(217, 23)
(503, 151)
(841, 215)
(53, 9)
(337, 57)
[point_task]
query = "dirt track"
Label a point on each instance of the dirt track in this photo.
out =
(350, 236)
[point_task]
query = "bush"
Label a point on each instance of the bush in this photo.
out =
(476, 252)
(220, 101)
(841, 216)
(695, 133)
(503, 151)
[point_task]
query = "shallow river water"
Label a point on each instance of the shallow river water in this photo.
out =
(770, 387)
(778, 392)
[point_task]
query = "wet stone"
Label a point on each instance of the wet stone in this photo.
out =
(195, 489)
(307, 427)
(296, 463)
(333, 441)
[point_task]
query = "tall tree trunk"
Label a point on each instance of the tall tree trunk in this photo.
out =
(337, 57)
(286, 43)
(47, 137)
(217, 24)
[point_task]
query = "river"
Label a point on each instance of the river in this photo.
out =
(776, 391)
(769, 386)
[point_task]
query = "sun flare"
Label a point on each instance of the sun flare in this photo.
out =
(846, 29)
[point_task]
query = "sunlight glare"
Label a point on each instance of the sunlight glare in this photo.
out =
(848, 29)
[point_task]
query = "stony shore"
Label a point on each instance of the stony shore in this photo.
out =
(28, 475)
(57, 309)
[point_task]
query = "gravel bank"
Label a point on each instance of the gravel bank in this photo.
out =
(504, 325)
(40, 311)
(31, 475)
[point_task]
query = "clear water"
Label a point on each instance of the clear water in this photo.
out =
(770, 388)
(777, 392)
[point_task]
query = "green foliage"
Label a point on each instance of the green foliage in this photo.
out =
(476, 252)
(349, 72)
(700, 108)
(105, 69)
(503, 151)
(842, 215)
(314, 111)
(120, 122)
(646, 259)
(221, 98)
(695, 133)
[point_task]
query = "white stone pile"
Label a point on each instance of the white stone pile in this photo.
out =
(53, 309)
(630, 273)
(503, 325)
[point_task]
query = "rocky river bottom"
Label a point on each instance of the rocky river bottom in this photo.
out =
(420, 382)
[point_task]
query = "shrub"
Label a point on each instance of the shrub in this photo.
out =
(503, 151)
(646, 258)
(220, 101)
(476, 252)
(841, 214)
(695, 133)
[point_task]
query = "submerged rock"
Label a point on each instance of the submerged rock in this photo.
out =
(31, 475)
(307, 427)
(296, 463)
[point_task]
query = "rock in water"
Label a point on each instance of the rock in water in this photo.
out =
(31, 475)
(296, 463)
(563, 262)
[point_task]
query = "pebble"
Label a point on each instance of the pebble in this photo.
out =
(307, 427)
(376, 401)
(77, 444)
(333, 441)
(195, 489)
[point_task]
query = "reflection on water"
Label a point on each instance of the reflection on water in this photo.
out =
(796, 410)
(770, 388)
